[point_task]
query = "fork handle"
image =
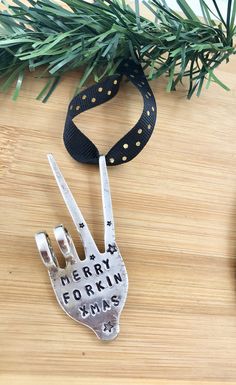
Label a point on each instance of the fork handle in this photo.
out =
(109, 227)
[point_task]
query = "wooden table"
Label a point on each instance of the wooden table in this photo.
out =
(175, 210)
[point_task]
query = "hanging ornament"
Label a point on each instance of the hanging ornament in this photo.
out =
(93, 291)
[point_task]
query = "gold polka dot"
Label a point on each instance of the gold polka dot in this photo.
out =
(148, 113)
(100, 89)
(71, 107)
(137, 144)
(93, 100)
(109, 92)
(143, 83)
(147, 96)
(115, 82)
(125, 145)
(124, 158)
(84, 97)
(153, 109)
(140, 131)
(111, 160)
(77, 108)
(132, 76)
(149, 93)
(149, 126)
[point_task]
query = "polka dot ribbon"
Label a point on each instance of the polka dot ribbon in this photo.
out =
(81, 148)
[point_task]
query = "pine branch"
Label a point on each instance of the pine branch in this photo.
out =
(97, 36)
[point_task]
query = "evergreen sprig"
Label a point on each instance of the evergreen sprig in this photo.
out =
(72, 34)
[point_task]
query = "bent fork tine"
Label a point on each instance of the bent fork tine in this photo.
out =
(46, 252)
(109, 228)
(76, 215)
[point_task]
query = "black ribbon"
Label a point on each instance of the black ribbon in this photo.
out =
(81, 148)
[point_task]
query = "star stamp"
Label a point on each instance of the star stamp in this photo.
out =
(112, 248)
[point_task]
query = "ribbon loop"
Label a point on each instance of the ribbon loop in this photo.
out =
(81, 148)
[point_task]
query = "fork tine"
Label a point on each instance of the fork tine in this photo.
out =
(76, 215)
(66, 244)
(109, 228)
(46, 251)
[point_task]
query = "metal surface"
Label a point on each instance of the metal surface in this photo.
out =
(91, 291)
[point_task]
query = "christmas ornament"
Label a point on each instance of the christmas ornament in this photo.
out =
(93, 291)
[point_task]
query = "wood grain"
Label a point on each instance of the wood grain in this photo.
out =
(175, 210)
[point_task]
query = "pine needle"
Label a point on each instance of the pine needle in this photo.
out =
(96, 37)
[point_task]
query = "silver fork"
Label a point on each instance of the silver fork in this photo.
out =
(92, 291)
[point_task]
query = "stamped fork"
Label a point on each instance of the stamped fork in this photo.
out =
(92, 291)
